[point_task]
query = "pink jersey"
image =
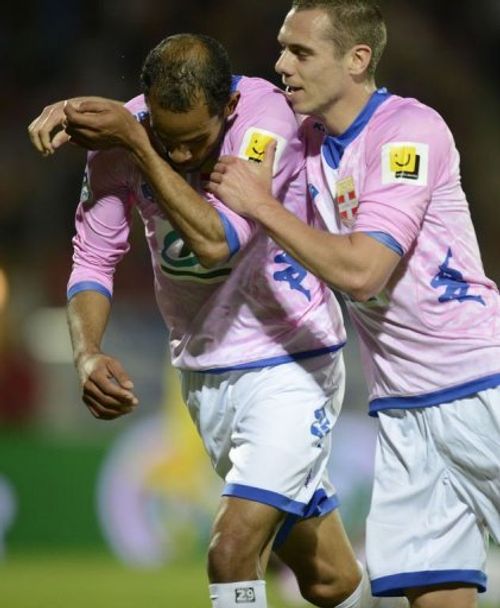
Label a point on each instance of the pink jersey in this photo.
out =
(433, 334)
(260, 307)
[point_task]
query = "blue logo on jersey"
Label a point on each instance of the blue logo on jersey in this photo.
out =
(293, 274)
(321, 426)
(456, 287)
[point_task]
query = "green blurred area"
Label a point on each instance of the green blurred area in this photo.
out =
(80, 580)
(55, 553)
(53, 483)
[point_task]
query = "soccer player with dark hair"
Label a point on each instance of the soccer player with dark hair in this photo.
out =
(257, 338)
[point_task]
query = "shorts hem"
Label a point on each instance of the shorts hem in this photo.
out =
(319, 504)
(395, 584)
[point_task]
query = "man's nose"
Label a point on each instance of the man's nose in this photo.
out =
(282, 66)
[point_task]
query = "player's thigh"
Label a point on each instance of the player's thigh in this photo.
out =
(449, 596)
(318, 549)
(245, 525)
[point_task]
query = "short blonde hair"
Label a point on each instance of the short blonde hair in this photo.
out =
(353, 22)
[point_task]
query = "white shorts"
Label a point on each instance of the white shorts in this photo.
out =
(436, 495)
(267, 431)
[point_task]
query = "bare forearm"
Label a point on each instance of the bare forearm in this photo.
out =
(88, 313)
(192, 216)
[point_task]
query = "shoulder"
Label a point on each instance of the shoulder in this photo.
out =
(407, 118)
(259, 97)
(262, 107)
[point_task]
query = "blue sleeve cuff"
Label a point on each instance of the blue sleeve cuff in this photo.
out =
(235, 81)
(388, 241)
(87, 286)
(232, 239)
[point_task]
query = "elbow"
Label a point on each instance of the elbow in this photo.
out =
(362, 288)
(362, 295)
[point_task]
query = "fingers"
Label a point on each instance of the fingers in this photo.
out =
(107, 388)
(216, 177)
(101, 412)
(121, 377)
(270, 154)
(106, 402)
(59, 139)
(76, 117)
(40, 130)
(213, 187)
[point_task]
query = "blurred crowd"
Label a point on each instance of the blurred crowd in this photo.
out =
(446, 54)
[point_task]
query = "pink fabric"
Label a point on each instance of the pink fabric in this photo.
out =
(437, 324)
(253, 308)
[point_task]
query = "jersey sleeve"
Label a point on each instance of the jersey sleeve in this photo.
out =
(405, 159)
(263, 115)
(102, 223)
(238, 230)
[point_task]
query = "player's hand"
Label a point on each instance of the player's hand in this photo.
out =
(241, 184)
(107, 389)
(99, 124)
(47, 131)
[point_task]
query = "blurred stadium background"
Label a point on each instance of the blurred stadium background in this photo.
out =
(118, 514)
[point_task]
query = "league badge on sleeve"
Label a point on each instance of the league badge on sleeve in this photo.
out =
(255, 141)
(405, 162)
(347, 201)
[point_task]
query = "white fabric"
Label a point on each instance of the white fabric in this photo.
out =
(238, 595)
(436, 490)
(269, 429)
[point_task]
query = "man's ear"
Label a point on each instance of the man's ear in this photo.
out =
(232, 103)
(359, 59)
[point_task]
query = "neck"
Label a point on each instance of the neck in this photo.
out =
(340, 115)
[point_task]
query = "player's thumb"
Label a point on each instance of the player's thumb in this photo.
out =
(270, 155)
(120, 375)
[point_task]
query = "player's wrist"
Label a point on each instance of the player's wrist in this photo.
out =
(265, 210)
(142, 150)
(80, 357)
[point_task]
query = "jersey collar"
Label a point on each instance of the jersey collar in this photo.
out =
(333, 147)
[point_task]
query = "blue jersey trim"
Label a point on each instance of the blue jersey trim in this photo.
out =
(387, 240)
(333, 147)
(279, 360)
(394, 585)
(233, 242)
(87, 286)
(235, 81)
(437, 397)
(320, 504)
